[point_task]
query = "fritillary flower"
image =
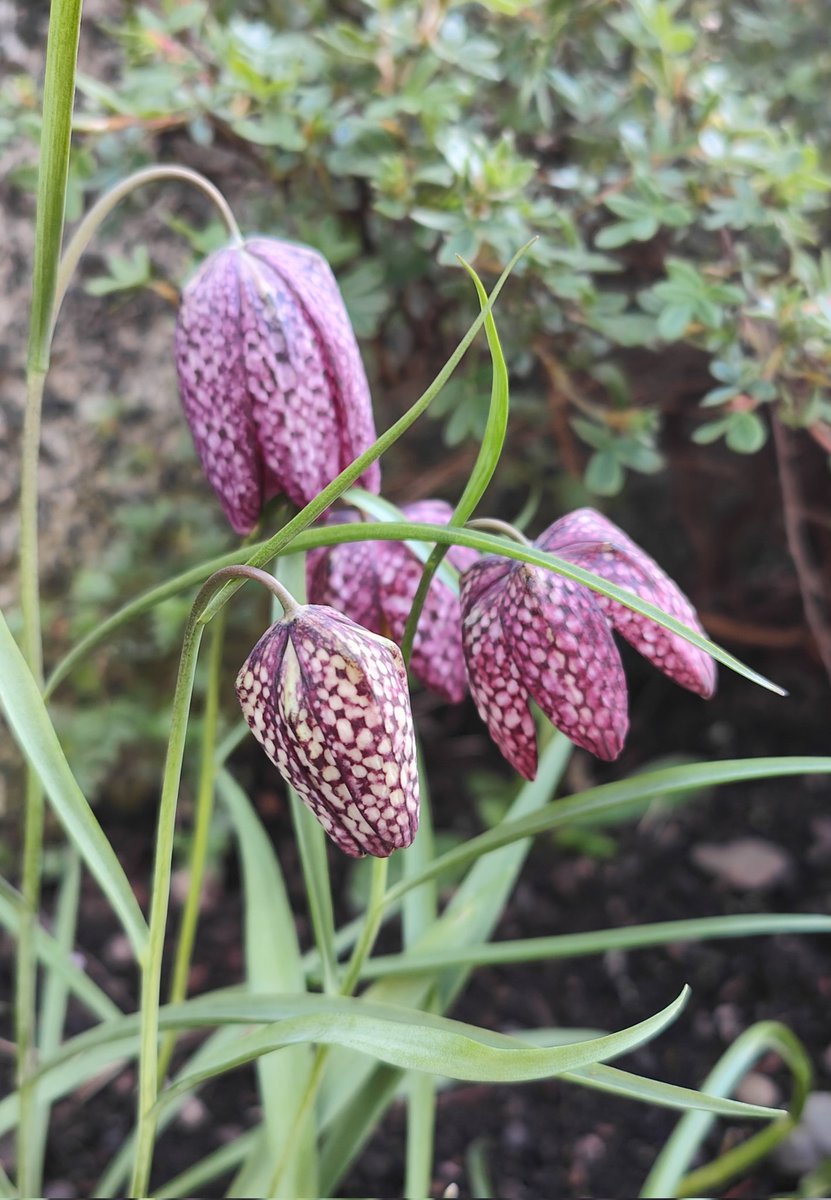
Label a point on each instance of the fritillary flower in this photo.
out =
(528, 633)
(328, 702)
(271, 377)
(375, 582)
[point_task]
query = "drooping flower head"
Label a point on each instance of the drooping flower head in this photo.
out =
(529, 633)
(271, 377)
(328, 702)
(375, 582)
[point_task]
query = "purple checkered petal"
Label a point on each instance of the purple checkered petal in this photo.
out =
(375, 583)
(214, 388)
(289, 386)
(564, 653)
(271, 377)
(437, 658)
(495, 682)
(316, 291)
(590, 540)
(345, 577)
(328, 702)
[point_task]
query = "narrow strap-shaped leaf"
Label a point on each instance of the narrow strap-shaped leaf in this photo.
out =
(667, 1175)
(598, 941)
(402, 531)
(35, 734)
(272, 964)
(610, 796)
(53, 956)
(417, 1042)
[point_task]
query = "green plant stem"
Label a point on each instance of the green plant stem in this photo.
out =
(151, 960)
(26, 985)
(371, 925)
(203, 816)
(26, 973)
(421, 1120)
(402, 531)
(151, 965)
(494, 525)
(369, 932)
(102, 208)
(319, 895)
(486, 463)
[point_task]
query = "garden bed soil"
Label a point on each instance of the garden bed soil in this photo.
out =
(548, 1138)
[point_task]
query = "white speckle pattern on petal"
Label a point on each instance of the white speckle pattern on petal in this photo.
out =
(328, 702)
(528, 632)
(271, 377)
(590, 540)
(496, 685)
(317, 293)
(214, 388)
(564, 652)
(375, 583)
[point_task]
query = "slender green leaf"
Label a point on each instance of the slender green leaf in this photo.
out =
(382, 510)
(56, 991)
(55, 958)
(35, 734)
(573, 945)
(272, 963)
(487, 459)
(667, 1175)
(610, 796)
(53, 172)
(402, 532)
(420, 1042)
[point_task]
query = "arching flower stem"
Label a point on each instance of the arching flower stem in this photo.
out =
(493, 525)
(151, 964)
(99, 212)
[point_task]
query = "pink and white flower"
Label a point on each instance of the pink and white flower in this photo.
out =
(328, 702)
(271, 377)
(529, 633)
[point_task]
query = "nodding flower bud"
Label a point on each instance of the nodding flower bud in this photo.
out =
(529, 633)
(271, 377)
(375, 583)
(328, 702)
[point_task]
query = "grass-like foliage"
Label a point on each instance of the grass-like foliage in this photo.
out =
(336, 1033)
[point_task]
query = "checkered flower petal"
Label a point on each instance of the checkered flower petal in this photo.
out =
(375, 583)
(319, 296)
(328, 702)
(590, 540)
(496, 684)
(437, 658)
(563, 650)
(214, 388)
(271, 377)
(345, 577)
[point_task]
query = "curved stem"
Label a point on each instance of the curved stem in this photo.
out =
(151, 964)
(494, 525)
(483, 469)
(99, 212)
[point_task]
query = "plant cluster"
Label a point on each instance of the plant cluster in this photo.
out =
(276, 397)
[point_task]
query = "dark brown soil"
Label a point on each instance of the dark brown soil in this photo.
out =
(548, 1138)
